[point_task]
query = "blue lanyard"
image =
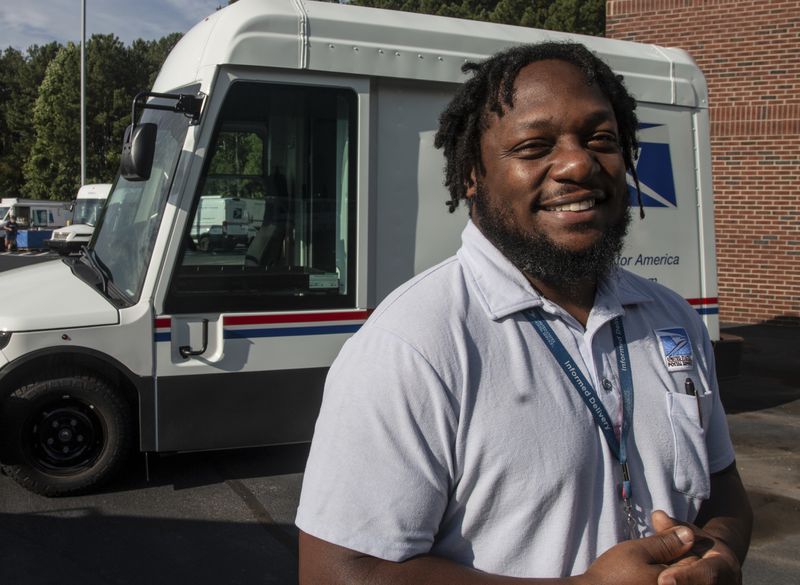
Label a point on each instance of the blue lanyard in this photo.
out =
(588, 393)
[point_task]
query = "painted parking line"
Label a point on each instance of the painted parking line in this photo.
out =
(34, 253)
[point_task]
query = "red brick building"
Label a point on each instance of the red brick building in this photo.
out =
(749, 51)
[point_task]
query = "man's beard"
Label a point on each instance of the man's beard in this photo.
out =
(536, 255)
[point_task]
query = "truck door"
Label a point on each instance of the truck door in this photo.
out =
(248, 330)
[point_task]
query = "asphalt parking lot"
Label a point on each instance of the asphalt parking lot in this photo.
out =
(227, 517)
(763, 406)
(201, 519)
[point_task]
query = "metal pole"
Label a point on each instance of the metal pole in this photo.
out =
(83, 92)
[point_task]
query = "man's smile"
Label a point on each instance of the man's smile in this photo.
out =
(573, 203)
(575, 206)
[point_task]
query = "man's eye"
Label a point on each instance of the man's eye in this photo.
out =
(532, 149)
(605, 136)
(604, 139)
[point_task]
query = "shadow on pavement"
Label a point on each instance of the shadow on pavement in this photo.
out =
(82, 545)
(186, 471)
(202, 518)
(769, 372)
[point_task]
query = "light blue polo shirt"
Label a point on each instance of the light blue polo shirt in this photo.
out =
(447, 426)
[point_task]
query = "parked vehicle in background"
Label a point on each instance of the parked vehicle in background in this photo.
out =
(35, 214)
(86, 210)
(220, 223)
(36, 219)
(327, 113)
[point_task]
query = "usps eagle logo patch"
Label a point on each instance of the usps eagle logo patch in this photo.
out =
(676, 349)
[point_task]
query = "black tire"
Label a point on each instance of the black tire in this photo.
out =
(65, 435)
(204, 244)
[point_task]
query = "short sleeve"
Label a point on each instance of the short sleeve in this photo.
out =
(718, 441)
(380, 468)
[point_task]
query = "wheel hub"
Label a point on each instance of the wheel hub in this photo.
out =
(67, 436)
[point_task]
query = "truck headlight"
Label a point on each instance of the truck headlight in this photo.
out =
(5, 337)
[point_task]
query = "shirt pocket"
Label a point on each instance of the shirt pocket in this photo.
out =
(690, 465)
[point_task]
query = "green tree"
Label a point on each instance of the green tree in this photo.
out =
(20, 77)
(114, 75)
(578, 16)
(110, 87)
(12, 64)
(146, 58)
(40, 111)
(53, 167)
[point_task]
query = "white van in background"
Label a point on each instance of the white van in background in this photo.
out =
(326, 112)
(86, 209)
(220, 223)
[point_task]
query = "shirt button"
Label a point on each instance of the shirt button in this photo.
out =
(607, 386)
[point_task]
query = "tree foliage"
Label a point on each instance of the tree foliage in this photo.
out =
(40, 111)
(20, 77)
(578, 16)
(52, 167)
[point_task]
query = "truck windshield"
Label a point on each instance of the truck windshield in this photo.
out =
(126, 232)
(86, 210)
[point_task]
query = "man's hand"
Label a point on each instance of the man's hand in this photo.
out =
(635, 562)
(710, 561)
(722, 535)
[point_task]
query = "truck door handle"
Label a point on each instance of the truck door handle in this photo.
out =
(186, 351)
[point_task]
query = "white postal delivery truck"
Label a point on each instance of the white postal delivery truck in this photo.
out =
(327, 113)
(35, 214)
(86, 209)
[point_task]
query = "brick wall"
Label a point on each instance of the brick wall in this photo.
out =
(749, 51)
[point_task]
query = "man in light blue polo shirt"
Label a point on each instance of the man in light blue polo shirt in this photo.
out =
(525, 412)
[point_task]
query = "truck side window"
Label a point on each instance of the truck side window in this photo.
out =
(273, 222)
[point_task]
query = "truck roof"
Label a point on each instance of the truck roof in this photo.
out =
(94, 191)
(331, 37)
(12, 201)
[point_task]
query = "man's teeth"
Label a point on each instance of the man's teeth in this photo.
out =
(578, 206)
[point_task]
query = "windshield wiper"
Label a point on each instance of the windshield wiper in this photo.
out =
(89, 257)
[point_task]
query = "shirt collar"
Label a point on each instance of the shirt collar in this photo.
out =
(503, 290)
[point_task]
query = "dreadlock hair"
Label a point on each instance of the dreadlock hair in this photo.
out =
(491, 90)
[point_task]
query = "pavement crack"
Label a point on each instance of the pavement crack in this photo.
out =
(262, 516)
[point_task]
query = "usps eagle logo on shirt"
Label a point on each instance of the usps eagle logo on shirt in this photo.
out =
(676, 349)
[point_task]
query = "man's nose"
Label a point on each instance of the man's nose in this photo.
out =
(573, 163)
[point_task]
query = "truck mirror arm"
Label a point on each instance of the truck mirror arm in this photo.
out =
(189, 105)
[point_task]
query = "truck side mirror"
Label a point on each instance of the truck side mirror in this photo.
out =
(138, 148)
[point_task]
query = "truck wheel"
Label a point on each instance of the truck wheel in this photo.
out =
(204, 244)
(65, 435)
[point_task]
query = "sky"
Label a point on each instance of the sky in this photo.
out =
(36, 22)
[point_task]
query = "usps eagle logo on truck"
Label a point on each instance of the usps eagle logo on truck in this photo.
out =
(654, 167)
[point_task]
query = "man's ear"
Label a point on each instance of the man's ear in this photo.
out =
(472, 186)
